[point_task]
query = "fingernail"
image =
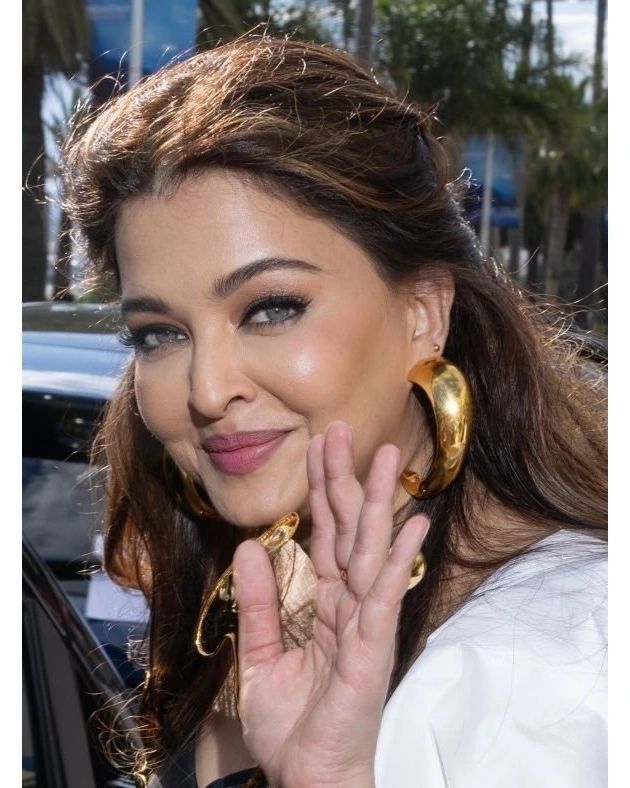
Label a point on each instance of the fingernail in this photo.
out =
(350, 435)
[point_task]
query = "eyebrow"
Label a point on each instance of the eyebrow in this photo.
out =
(143, 304)
(224, 285)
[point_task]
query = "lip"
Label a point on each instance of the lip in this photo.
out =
(242, 452)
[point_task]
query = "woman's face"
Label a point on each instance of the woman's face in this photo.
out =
(249, 316)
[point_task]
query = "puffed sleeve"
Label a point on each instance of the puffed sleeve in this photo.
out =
(510, 692)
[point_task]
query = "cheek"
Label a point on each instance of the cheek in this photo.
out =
(300, 374)
(330, 370)
(162, 401)
(322, 360)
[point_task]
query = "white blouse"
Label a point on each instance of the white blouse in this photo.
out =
(510, 692)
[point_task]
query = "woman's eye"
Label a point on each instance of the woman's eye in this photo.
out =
(145, 340)
(274, 311)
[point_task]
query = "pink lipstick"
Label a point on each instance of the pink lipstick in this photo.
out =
(242, 452)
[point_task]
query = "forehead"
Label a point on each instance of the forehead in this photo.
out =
(218, 221)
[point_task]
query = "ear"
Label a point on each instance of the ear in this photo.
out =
(430, 305)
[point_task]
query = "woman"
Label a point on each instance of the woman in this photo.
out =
(294, 274)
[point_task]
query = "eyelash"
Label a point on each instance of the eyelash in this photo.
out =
(136, 338)
(275, 301)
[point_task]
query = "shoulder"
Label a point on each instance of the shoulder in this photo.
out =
(512, 689)
(544, 604)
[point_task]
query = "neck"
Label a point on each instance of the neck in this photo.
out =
(220, 749)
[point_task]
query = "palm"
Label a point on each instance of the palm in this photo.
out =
(311, 714)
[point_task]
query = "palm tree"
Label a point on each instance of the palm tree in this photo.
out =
(449, 53)
(54, 39)
(223, 20)
(364, 32)
(220, 20)
(591, 221)
(568, 169)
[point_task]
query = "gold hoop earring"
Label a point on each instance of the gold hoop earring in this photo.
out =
(185, 491)
(449, 394)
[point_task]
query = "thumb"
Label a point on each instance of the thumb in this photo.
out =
(259, 631)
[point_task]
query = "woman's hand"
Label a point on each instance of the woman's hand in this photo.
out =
(311, 715)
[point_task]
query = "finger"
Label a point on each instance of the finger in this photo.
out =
(259, 633)
(343, 489)
(374, 532)
(322, 545)
(378, 618)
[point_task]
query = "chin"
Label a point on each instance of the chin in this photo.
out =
(266, 512)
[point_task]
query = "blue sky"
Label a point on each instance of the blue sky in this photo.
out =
(575, 24)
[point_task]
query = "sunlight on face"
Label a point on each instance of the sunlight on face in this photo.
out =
(247, 315)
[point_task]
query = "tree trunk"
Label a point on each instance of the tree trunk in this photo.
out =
(347, 29)
(486, 198)
(527, 32)
(550, 44)
(517, 237)
(364, 32)
(556, 241)
(591, 226)
(62, 272)
(598, 65)
(33, 217)
(533, 268)
(588, 266)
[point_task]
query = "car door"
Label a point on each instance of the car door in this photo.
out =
(67, 677)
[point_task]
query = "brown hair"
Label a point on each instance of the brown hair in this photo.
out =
(309, 123)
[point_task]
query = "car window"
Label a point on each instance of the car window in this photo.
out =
(61, 510)
(62, 515)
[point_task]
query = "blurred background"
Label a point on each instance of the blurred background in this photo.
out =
(518, 87)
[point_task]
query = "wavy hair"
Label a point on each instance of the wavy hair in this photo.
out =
(309, 124)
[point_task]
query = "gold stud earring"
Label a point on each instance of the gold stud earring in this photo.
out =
(449, 395)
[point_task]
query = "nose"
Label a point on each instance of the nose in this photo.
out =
(217, 379)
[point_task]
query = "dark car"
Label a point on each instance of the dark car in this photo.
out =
(77, 624)
(72, 361)
(67, 677)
